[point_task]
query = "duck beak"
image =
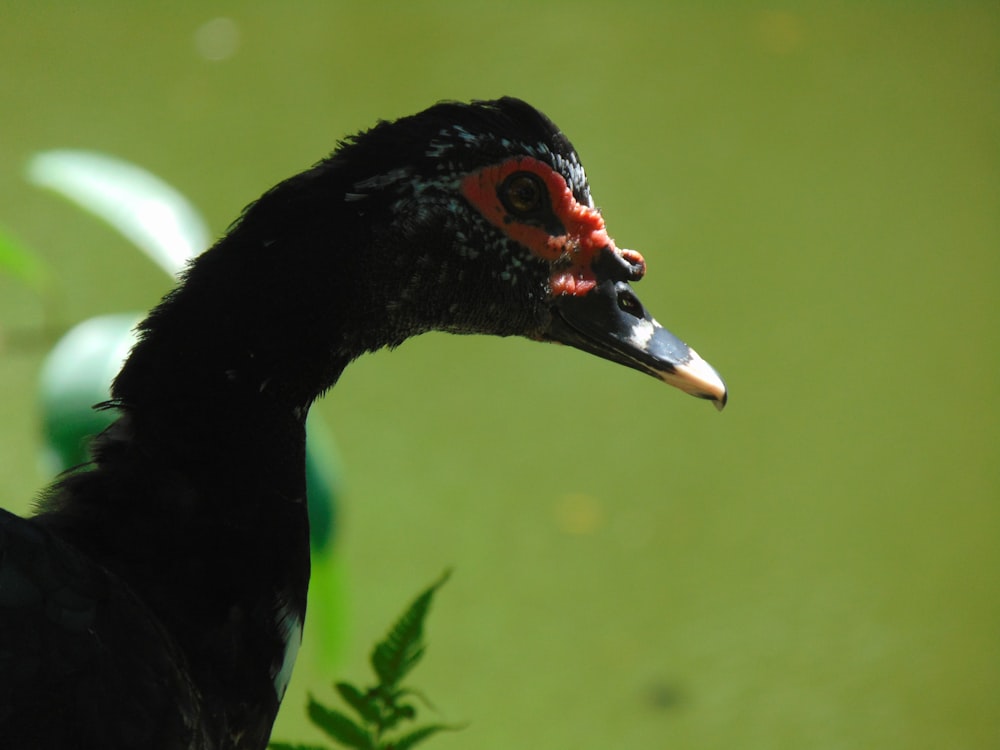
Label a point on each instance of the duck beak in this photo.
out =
(610, 322)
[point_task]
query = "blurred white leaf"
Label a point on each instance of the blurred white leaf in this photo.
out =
(141, 206)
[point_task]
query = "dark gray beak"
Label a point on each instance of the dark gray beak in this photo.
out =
(609, 321)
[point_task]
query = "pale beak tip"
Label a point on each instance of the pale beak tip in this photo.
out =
(698, 378)
(720, 403)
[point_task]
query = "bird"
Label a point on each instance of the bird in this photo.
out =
(156, 597)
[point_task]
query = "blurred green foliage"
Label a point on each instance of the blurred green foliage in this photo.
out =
(384, 710)
(21, 265)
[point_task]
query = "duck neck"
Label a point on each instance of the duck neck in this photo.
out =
(269, 317)
(236, 334)
(197, 496)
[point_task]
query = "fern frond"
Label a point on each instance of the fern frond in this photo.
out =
(417, 735)
(366, 704)
(339, 726)
(393, 658)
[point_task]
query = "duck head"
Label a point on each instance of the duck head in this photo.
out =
(503, 237)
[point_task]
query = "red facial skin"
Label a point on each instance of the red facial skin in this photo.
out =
(571, 254)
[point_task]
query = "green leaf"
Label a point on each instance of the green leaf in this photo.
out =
(417, 735)
(403, 647)
(360, 702)
(21, 264)
(404, 692)
(396, 714)
(339, 726)
(289, 746)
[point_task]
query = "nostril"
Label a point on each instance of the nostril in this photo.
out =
(629, 303)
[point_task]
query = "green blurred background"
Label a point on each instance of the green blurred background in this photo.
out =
(816, 188)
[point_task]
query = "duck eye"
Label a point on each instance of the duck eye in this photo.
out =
(523, 193)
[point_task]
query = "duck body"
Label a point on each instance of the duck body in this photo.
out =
(157, 598)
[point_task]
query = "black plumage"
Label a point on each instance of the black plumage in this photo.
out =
(155, 599)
